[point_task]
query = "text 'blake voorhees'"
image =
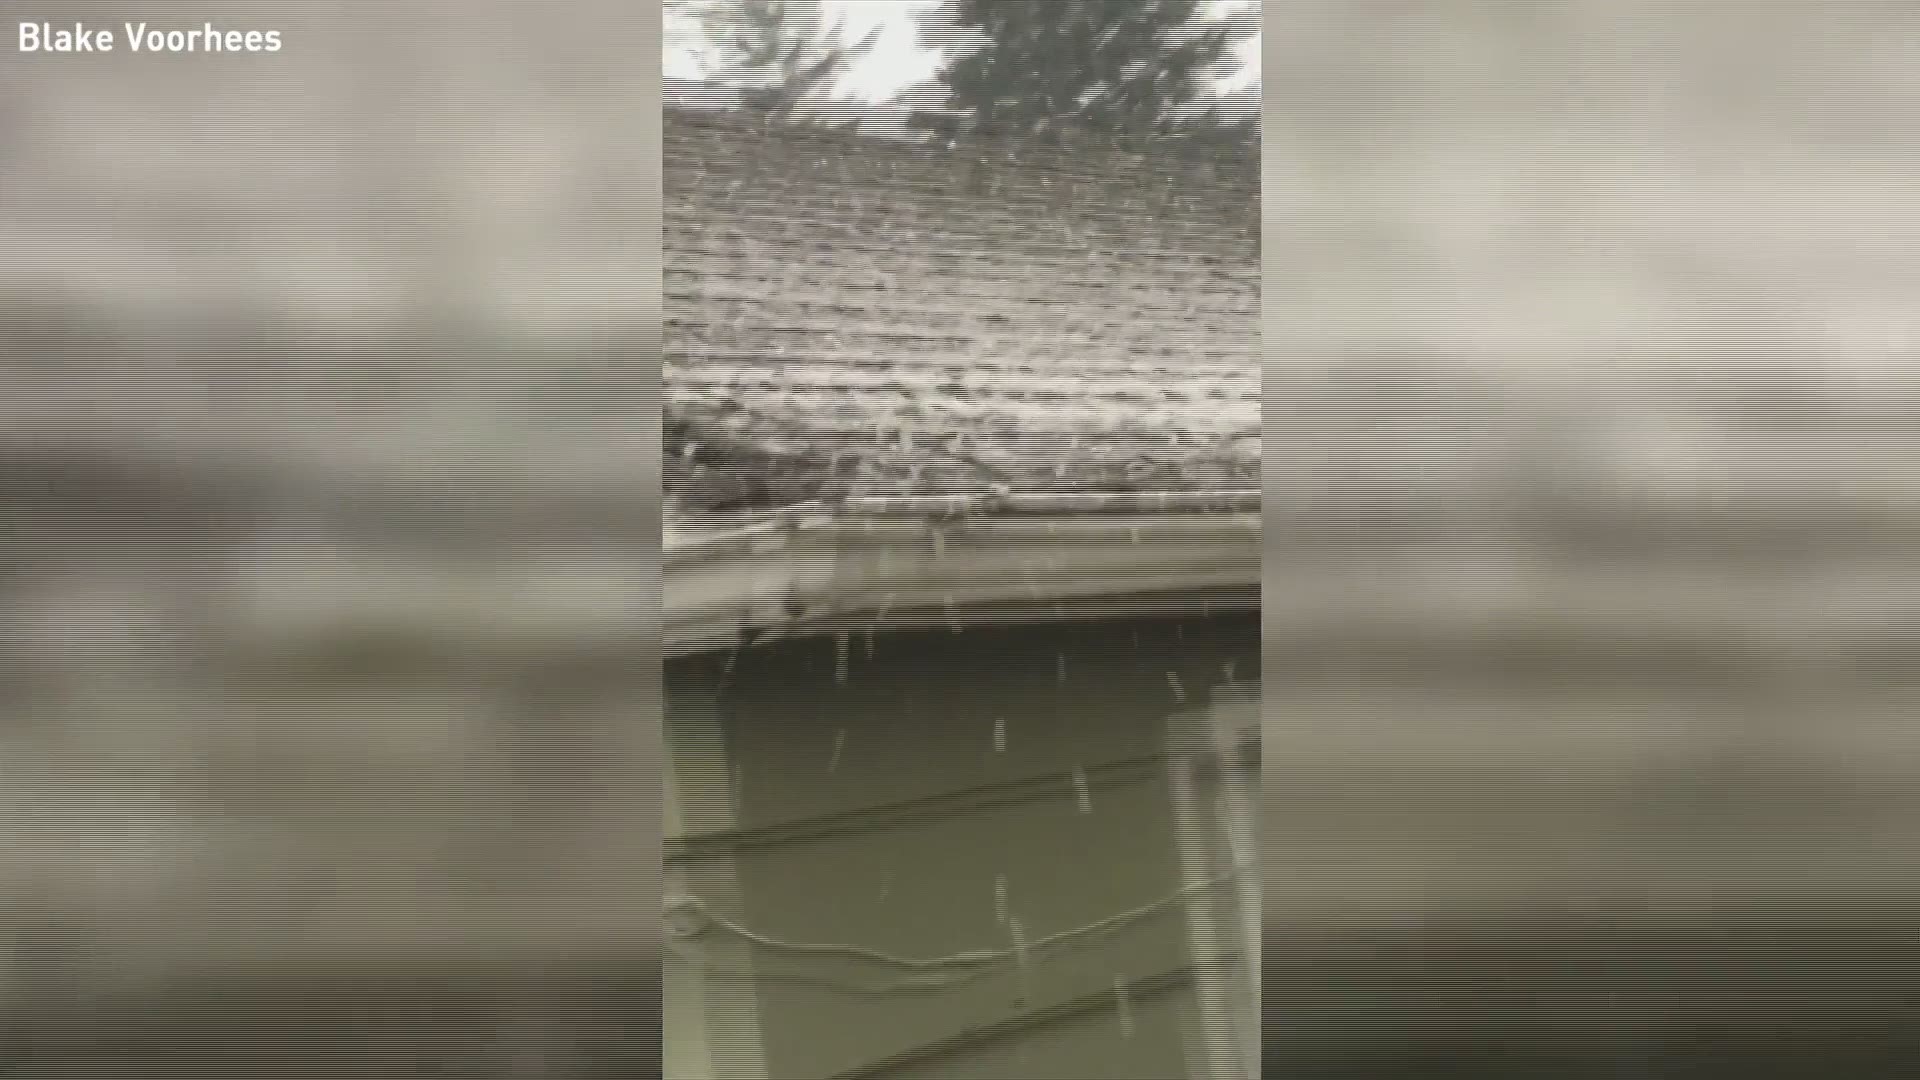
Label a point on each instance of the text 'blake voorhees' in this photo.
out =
(141, 37)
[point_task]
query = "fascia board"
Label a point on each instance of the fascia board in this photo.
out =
(844, 572)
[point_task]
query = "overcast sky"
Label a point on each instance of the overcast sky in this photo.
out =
(898, 61)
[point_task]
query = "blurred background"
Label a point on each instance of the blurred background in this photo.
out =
(1592, 418)
(328, 700)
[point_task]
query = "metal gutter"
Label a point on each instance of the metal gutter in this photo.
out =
(894, 563)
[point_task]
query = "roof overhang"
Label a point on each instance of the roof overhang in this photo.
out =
(892, 565)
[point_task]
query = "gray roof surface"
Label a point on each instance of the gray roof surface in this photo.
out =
(854, 316)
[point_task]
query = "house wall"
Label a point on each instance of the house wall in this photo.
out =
(878, 809)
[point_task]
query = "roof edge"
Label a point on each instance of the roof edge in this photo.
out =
(807, 573)
(1090, 506)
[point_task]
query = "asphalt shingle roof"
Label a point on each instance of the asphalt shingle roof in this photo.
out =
(846, 316)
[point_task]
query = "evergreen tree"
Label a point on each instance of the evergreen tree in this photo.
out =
(1134, 67)
(781, 53)
(1232, 120)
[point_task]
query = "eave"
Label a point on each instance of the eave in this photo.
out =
(895, 564)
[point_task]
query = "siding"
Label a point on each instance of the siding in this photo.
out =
(880, 813)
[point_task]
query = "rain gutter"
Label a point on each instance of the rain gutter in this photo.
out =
(897, 563)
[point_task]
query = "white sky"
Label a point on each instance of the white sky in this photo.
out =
(898, 61)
